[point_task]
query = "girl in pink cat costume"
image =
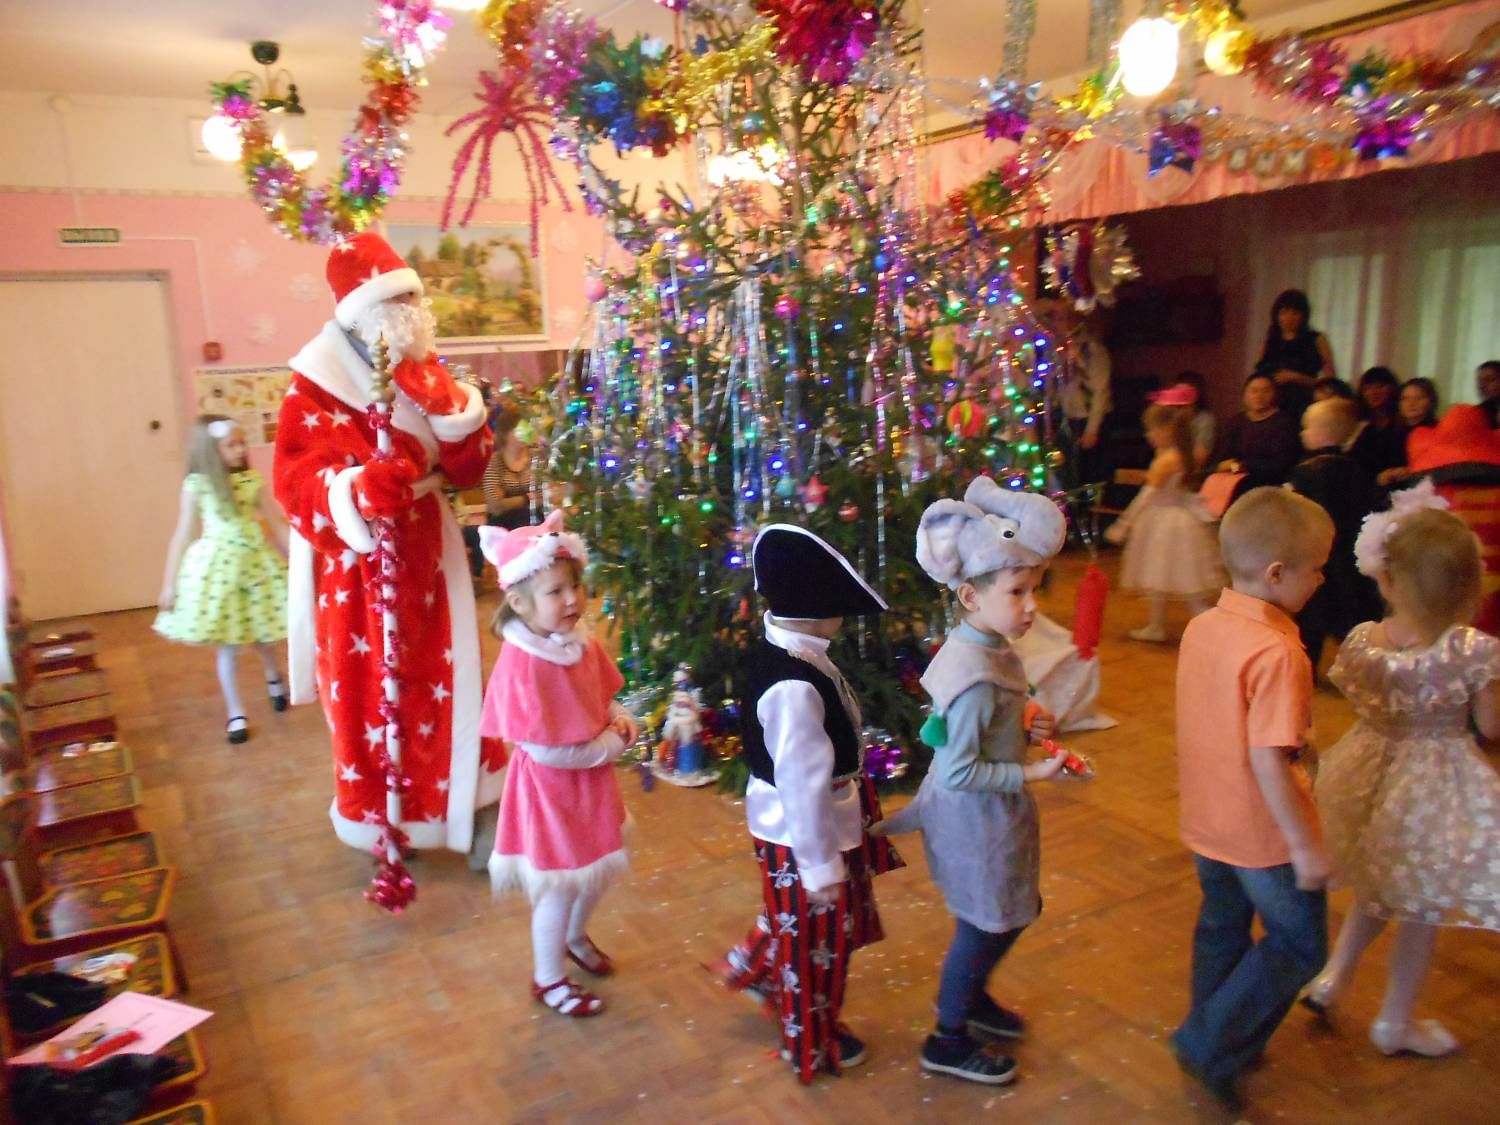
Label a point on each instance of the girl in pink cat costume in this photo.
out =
(551, 697)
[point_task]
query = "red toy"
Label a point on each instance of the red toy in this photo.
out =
(1074, 765)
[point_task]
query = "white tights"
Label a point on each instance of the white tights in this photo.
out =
(227, 658)
(559, 920)
(1411, 954)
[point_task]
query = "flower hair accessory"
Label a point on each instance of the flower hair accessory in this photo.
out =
(1376, 531)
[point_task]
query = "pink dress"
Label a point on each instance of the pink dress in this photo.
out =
(561, 817)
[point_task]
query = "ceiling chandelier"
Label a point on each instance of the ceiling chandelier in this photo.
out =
(276, 94)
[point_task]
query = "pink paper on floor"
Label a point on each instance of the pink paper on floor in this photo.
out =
(155, 1020)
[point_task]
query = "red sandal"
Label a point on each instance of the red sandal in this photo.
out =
(570, 1001)
(599, 966)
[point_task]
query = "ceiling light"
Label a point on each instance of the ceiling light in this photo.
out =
(276, 95)
(1148, 56)
(222, 138)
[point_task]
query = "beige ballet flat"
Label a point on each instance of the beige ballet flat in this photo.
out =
(1427, 1038)
(1321, 995)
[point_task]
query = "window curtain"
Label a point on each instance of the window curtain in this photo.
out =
(1403, 272)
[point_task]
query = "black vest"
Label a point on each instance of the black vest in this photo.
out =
(769, 665)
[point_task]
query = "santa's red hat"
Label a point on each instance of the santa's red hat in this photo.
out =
(1463, 437)
(364, 271)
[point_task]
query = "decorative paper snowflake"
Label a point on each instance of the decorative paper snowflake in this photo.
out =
(262, 329)
(304, 287)
(244, 259)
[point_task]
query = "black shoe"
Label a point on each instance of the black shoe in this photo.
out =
(962, 1057)
(851, 1049)
(990, 1018)
(276, 689)
(1222, 1089)
(237, 730)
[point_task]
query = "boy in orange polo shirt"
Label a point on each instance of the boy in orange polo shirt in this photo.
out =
(1244, 709)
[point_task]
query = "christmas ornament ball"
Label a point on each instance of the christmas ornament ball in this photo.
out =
(1056, 459)
(966, 419)
(787, 307)
(849, 511)
(594, 289)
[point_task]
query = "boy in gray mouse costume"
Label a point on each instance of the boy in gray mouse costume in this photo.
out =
(978, 821)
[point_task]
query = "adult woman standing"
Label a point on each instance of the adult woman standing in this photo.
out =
(507, 480)
(1262, 440)
(1295, 353)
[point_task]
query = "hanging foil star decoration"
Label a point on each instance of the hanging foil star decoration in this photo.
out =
(1174, 144)
(1008, 106)
(1383, 133)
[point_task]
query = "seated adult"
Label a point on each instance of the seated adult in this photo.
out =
(1331, 386)
(507, 480)
(1262, 441)
(1418, 408)
(1487, 382)
(1380, 443)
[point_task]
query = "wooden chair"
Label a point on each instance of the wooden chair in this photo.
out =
(1123, 478)
(84, 813)
(62, 686)
(151, 973)
(83, 720)
(188, 1113)
(189, 1052)
(60, 767)
(41, 921)
(78, 656)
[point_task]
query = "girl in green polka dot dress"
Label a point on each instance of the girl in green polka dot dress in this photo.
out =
(224, 585)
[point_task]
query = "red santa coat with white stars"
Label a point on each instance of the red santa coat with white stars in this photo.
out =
(322, 440)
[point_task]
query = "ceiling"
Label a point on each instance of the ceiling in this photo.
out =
(174, 48)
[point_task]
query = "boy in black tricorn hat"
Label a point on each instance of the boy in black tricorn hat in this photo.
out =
(809, 802)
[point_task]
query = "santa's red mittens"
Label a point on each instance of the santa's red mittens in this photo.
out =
(430, 386)
(384, 488)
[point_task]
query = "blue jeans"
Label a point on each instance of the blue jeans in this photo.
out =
(971, 958)
(1242, 989)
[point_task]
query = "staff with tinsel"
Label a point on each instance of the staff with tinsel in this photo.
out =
(393, 888)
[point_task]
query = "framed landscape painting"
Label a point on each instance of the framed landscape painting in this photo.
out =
(485, 285)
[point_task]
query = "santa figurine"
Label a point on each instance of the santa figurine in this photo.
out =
(333, 488)
(681, 749)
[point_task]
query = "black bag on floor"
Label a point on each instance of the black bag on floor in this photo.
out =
(110, 1092)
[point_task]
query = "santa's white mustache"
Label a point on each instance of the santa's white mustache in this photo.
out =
(409, 330)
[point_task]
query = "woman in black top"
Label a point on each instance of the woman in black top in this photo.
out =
(1417, 408)
(1295, 353)
(1262, 441)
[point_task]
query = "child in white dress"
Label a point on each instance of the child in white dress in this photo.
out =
(1170, 552)
(1410, 806)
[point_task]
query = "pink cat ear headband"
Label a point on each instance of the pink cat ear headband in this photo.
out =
(519, 554)
(1376, 531)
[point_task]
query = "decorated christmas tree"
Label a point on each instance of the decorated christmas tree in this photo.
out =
(795, 338)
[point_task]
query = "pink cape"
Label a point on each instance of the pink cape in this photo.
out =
(530, 699)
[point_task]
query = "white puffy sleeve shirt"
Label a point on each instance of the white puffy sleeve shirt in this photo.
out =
(803, 810)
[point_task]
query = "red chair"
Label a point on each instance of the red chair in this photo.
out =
(61, 767)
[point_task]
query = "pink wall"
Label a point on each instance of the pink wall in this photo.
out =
(234, 279)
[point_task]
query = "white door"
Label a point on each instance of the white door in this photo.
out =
(90, 441)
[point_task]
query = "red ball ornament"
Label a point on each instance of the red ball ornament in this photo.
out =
(967, 420)
(849, 511)
(814, 493)
(594, 289)
(787, 307)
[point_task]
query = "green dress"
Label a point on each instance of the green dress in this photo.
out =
(231, 587)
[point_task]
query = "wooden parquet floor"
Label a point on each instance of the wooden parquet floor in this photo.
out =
(328, 1011)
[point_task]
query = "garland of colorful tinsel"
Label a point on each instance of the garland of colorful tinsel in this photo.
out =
(409, 33)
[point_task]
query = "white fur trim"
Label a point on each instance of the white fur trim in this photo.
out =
(566, 651)
(301, 623)
(467, 791)
(330, 362)
(456, 427)
(352, 527)
(382, 288)
(542, 554)
(515, 873)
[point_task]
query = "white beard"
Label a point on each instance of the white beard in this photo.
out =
(410, 331)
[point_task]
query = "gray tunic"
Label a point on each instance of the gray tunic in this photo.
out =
(978, 822)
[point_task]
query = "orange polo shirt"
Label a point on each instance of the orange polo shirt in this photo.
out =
(1243, 680)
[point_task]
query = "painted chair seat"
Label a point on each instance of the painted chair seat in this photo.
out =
(103, 859)
(151, 973)
(58, 768)
(112, 795)
(54, 688)
(189, 1113)
(100, 908)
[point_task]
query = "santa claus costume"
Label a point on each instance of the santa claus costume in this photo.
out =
(331, 485)
(551, 697)
(809, 804)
